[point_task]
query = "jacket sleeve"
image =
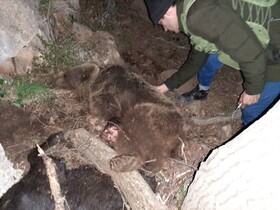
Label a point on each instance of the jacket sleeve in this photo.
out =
(190, 68)
(220, 24)
(273, 49)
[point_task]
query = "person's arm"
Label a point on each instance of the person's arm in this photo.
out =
(220, 25)
(273, 49)
(190, 68)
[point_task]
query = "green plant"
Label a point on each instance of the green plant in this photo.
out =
(22, 89)
(2, 92)
(29, 90)
(43, 6)
(57, 55)
(35, 142)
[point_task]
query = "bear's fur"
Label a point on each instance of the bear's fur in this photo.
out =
(150, 123)
(84, 187)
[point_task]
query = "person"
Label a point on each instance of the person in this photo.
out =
(244, 34)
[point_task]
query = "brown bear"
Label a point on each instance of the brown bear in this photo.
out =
(149, 126)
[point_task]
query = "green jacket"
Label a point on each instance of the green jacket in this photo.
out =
(217, 22)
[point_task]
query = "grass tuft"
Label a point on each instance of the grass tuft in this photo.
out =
(21, 90)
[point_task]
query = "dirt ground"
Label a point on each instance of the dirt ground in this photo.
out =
(150, 52)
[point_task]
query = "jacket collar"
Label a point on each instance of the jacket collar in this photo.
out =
(179, 12)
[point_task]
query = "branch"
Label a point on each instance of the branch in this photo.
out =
(54, 184)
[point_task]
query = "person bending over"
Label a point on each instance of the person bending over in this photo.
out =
(243, 34)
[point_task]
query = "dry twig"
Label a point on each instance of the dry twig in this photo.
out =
(54, 184)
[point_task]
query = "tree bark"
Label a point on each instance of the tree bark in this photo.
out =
(131, 184)
(242, 174)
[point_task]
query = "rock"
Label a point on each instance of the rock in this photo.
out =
(33, 4)
(81, 32)
(18, 25)
(8, 174)
(23, 60)
(7, 67)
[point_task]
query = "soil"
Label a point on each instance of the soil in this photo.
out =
(153, 54)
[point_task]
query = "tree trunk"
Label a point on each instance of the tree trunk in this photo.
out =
(242, 174)
(131, 184)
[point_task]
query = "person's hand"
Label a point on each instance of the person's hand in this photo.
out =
(161, 88)
(246, 99)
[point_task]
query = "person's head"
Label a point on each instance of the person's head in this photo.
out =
(164, 12)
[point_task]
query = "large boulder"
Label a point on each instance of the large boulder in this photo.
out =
(18, 26)
(9, 175)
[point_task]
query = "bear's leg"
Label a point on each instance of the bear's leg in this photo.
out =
(123, 163)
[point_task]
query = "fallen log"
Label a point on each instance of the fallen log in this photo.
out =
(131, 184)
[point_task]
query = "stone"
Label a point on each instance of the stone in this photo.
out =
(15, 34)
(8, 174)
